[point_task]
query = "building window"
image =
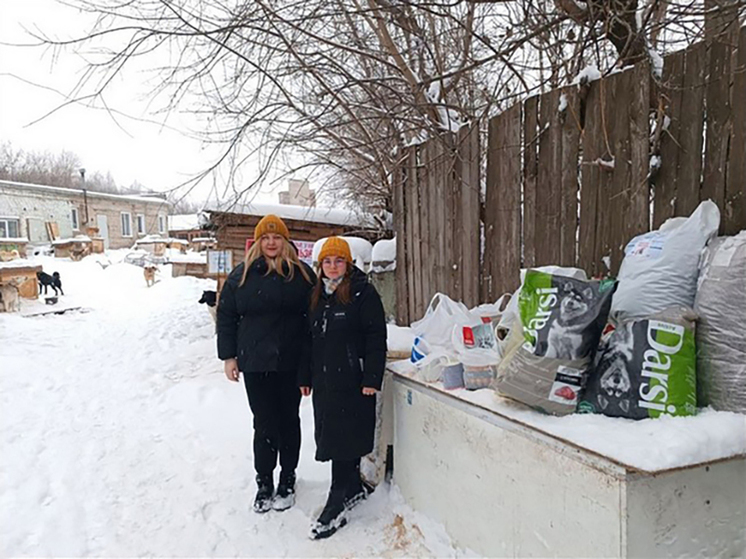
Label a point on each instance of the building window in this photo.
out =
(161, 223)
(140, 224)
(74, 215)
(126, 224)
(9, 228)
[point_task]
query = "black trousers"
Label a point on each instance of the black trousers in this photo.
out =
(274, 399)
(346, 475)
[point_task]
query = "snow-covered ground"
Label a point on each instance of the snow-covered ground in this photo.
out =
(121, 436)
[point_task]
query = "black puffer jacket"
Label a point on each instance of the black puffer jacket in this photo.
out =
(348, 352)
(264, 322)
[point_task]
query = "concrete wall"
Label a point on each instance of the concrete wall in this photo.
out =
(503, 489)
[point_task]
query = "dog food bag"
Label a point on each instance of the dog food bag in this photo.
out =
(721, 342)
(645, 368)
(660, 268)
(550, 348)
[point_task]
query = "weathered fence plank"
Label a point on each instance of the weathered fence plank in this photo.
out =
(690, 132)
(717, 101)
(401, 214)
(734, 214)
(470, 196)
(548, 189)
(590, 176)
(411, 209)
(502, 251)
(570, 154)
(637, 220)
(530, 174)
(666, 180)
(414, 245)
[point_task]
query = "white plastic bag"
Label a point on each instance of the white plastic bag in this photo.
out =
(660, 268)
(443, 313)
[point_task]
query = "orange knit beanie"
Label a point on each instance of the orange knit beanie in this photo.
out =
(271, 224)
(335, 246)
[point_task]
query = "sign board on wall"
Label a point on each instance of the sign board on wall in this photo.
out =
(219, 262)
(305, 250)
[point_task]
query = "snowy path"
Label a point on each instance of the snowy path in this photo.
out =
(121, 437)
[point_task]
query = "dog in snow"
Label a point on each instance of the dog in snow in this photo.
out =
(46, 281)
(149, 273)
(210, 298)
(9, 299)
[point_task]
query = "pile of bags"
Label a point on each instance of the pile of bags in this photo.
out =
(667, 336)
(458, 345)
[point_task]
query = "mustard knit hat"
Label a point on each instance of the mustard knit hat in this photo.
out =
(335, 246)
(271, 224)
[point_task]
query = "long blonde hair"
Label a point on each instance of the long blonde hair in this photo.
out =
(287, 256)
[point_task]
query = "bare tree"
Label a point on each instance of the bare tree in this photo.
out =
(343, 86)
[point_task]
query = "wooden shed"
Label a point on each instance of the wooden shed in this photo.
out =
(21, 274)
(74, 249)
(235, 226)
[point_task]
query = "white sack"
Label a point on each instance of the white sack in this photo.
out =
(660, 268)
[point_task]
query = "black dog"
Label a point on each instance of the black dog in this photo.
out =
(209, 298)
(53, 281)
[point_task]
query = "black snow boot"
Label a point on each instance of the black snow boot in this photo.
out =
(285, 497)
(265, 490)
(356, 492)
(332, 518)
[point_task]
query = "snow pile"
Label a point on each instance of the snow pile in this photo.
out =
(588, 74)
(123, 438)
(183, 222)
(399, 339)
(384, 255)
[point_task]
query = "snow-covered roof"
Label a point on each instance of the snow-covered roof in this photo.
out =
(183, 222)
(78, 239)
(13, 240)
(18, 263)
(330, 216)
(79, 192)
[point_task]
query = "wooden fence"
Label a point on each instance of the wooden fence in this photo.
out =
(570, 179)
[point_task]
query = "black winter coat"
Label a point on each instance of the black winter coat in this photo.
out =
(264, 322)
(348, 352)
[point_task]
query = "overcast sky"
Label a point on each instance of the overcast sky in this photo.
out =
(157, 157)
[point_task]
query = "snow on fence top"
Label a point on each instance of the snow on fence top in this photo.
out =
(331, 216)
(155, 199)
(183, 222)
(384, 255)
(384, 250)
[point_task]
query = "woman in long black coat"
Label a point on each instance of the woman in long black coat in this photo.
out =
(262, 325)
(344, 373)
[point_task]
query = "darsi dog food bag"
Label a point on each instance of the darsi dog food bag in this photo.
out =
(645, 368)
(547, 357)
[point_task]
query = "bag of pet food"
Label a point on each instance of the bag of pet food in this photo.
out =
(550, 349)
(660, 268)
(645, 368)
(510, 315)
(721, 342)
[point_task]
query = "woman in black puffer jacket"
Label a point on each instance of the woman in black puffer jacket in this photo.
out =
(344, 369)
(262, 324)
